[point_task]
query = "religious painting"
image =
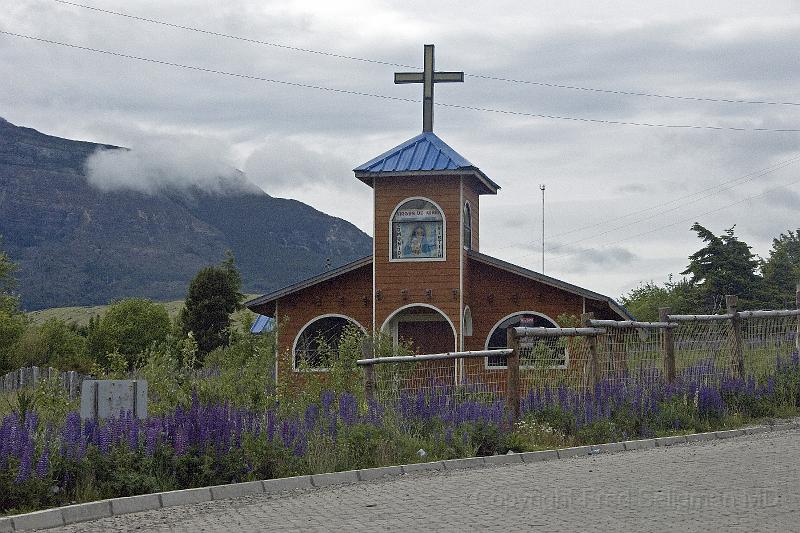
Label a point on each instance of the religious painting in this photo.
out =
(418, 231)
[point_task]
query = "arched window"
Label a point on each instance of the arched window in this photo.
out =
(466, 328)
(317, 344)
(417, 229)
(467, 226)
(548, 352)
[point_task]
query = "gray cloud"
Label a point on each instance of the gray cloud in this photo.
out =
(165, 163)
(303, 143)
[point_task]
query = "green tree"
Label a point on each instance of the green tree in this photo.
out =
(725, 265)
(212, 296)
(53, 343)
(643, 302)
(781, 270)
(129, 327)
(12, 321)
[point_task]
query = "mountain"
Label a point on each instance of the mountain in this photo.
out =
(78, 245)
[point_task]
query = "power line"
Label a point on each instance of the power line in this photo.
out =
(717, 188)
(399, 99)
(234, 37)
(393, 64)
(682, 221)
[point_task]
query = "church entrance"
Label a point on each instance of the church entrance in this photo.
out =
(425, 329)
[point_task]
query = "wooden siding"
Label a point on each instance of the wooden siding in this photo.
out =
(342, 295)
(442, 278)
(494, 294)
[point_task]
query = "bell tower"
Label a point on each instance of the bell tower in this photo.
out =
(426, 213)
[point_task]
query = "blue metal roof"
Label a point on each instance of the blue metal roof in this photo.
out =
(262, 324)
(426, 151)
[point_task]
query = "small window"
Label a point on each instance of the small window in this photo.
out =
(317, 345)
(549, 352)
(417, 231)
(467, 326)
(467, 226)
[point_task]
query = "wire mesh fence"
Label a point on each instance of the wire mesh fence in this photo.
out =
(700, 349)
(460, 375)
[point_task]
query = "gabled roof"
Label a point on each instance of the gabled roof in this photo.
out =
(424, 154)
(330, 274)
(547, 280)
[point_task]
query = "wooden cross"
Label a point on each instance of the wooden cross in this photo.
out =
(427, 78)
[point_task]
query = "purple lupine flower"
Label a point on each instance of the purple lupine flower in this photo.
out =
(25, 459)
(104, 439)
(270, 424)
(348, 409)
(43, 465)
(151, 437)
(311, 416)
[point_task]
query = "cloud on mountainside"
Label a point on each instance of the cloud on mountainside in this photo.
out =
(162, 163)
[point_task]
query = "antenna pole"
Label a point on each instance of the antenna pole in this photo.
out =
(541, 187)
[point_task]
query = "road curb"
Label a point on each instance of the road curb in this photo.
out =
(82, 512)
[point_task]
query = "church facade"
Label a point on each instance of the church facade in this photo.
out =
(426, 283)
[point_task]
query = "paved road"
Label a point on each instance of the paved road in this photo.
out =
(743, 484)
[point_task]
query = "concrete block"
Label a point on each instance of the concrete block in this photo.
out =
(334, 478)
(757, 430)
(507, 459)
(38, 520)
(422, 467)
(784, 426)
(86, 511)
(670, 441)
(535, 457)
(576, 451)
(368, 474)
(287, 483)
(135, 504)
(642, 444)
(467, 462)
(6, 525)
(729, 433)
(236, 490)
(185, 497)
(700, 437)
(107, 398)
(610, 447)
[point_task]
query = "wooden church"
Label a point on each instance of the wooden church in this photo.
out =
(426, 282)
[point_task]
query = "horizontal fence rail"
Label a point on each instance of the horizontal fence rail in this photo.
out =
(432, 357)
(631, 324)
(557, 332)
(687, 350)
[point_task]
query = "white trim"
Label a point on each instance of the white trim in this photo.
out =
(460, 367)
(300, 332)
(418, 259)
(464, 320)
(277, 344)
(374, 259)
(386, 323)
(466, 206)
(491, 332)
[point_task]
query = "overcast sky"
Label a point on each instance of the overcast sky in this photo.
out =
(620, 198)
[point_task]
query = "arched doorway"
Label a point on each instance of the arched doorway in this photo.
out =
(422, 326)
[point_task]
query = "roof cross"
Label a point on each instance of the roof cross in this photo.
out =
(427, 78)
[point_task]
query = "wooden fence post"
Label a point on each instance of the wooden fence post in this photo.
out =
(667, 345)
(594, 361)
(512, 373)
(370, 385)
(797, 305)
(732, 303)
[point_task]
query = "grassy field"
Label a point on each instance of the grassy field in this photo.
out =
(81, 315)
